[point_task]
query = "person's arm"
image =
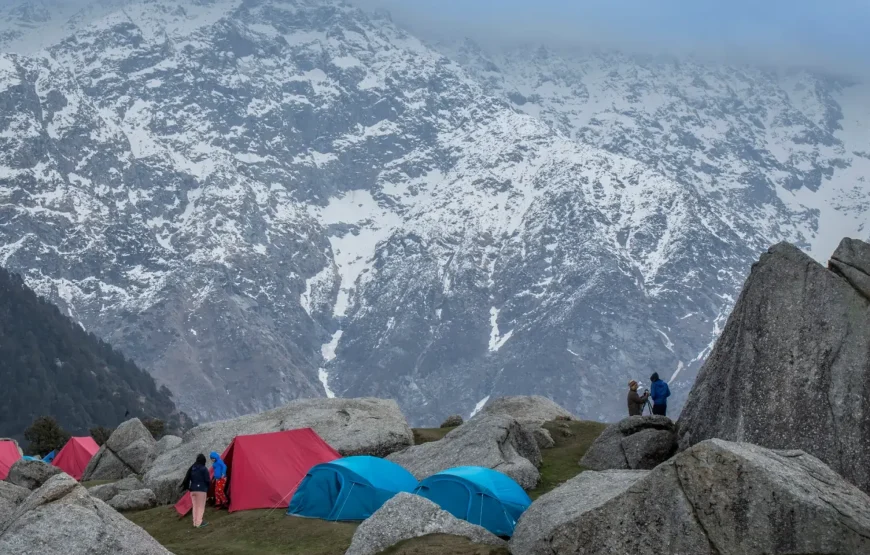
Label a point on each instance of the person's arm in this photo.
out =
(667, 390)
(185, 484)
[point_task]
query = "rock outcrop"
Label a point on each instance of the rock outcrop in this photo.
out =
(558, 509)
(407, 516)
(527, 409)
(532, 412)
(717, 498)
(31, 474)
(852, 261)
(636, 443)
(11, 496)
(351, 426)
(136, 500)
(60, 518)
(491, 441)
(107, 492)
(127, 452)
(790, 370)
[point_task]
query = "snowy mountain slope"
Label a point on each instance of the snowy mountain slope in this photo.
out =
(267, 200)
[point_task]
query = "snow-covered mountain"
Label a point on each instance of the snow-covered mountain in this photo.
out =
(264, 200)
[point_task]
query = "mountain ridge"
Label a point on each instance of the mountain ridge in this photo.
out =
(266, 201)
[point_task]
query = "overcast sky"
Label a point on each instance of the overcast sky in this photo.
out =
(829, 33)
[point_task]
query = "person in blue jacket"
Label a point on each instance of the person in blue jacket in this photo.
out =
(220, 480)
(196, 482)
(659, 392)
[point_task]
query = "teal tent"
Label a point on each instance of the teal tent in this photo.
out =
(349, 489)
(478, 495)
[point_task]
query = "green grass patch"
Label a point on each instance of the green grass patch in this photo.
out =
(562, 462)
(428, 435)
(438, 544)
(245, 533)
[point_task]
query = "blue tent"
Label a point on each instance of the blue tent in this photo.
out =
(478, 495)
(29, 458)
(50, 457)
(349, 489)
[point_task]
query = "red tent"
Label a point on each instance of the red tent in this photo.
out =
(266, 469)
(9, 455)
(75, 456)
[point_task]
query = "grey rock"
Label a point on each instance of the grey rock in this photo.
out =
(452, 421)
(105, 465)
(106, 492)
(127, 451)
(852, 261)
(31, 474)
(136, 500)
(636, 443)
(11, 496)
(491, 441)
(543, 438)
(790, 370)
(559, 508)
(717, 498)
(351, 426)
(407, 516)
(60, 518)
(164, 444)
(527, 409)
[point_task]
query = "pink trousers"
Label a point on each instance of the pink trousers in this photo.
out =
(198, 500)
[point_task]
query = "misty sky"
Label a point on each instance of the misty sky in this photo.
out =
(832, 33)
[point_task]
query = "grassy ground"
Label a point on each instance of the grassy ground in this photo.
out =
(426, 435)
(245, 533)
(93, 483)
(561, 461)
(272, 532)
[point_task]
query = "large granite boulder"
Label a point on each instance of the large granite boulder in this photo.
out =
(11, 496)
(531, 411)
(127, 451)
(491, 441)
(136, 500)
(717, 498)
(351, 426)
(790, 370)
(852, 261)
(407, 516)
(636, 443)
(31, 474)
(60, 518)
(527, 409)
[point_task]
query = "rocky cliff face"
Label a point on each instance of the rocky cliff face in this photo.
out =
(260, 201)
(791, 370)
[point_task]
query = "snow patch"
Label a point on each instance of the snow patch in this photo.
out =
(496, 340)
(479, 406)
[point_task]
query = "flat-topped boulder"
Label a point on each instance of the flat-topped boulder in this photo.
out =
(61, 518)
(407, 516)
(790, 370)
(527, 409)
(31, 474)
(635, 443)
(491, 441)
(351, 426)
(717, 498)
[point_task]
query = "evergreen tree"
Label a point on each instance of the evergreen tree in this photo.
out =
(49, 365)
(101, 434)
(156, 426)
(45, 435)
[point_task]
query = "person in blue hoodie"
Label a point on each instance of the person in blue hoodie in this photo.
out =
(220, 480)
(659, 392)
